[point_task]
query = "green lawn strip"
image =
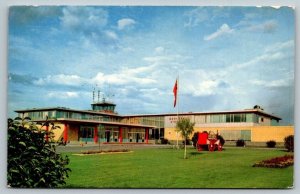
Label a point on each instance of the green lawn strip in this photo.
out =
(166, 168)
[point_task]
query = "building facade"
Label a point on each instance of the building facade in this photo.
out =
(103, 125)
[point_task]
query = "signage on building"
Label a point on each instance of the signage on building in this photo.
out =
(170, 121)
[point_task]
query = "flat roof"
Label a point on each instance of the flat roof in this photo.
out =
(66, 109)
(98, 122)
(258, 111)
(205, 113)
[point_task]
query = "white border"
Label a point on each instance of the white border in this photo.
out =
(4, 4)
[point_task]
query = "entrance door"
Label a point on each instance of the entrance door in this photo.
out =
(107, 136)
(115, 136)
(137, 137)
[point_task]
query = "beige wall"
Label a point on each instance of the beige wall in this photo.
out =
(73, 132)
(266, 133)
(258, 133)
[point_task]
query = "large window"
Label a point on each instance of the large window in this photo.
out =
(233, 135)
(230, 118)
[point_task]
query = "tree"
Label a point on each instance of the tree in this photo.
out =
(32, 162)
(186, 128)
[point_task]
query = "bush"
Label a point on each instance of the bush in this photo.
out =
(188, 141)
(240, 143)
(222, 140)
(164, 141)
(271, 144)
(195, 139)
(289, 143)
(31, 161)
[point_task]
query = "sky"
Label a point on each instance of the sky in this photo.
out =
(227, 58)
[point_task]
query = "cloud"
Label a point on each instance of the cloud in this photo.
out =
(27, 14)
(62, 95)
(261, 60)
(224, 29)
(164, 59)
(266, 27)
(21, 79)
(125, 22)
(61, 79)
(281, 46)
(199, 15)
(159, 49)
(111, 35)
(124, 76)
(272, 84)
(83, 18)
(196, 16)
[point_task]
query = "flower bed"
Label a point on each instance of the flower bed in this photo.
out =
(278, 162)
(104, 151)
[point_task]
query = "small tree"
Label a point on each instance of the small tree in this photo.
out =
(186, 128)
(32, 161)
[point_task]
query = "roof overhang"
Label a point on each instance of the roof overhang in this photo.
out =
(97, 122)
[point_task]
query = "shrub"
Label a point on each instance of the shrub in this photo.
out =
(271, 144)
(222, 140)
(188, 141)
(240, 143)
(195, 139)
(164, 141)
(31, 160)
(289, 143)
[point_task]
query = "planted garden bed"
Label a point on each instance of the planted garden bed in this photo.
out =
(91, 152)
(278, 162)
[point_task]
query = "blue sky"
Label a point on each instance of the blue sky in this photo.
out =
(228, 58)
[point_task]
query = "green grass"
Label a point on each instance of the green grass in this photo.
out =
(166, 168)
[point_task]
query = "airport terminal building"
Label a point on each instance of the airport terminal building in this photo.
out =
(103, 125)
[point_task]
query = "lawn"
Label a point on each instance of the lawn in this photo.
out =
(166, 168)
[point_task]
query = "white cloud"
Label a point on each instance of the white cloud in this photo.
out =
(161, 59)
(61, 79)
(271, 84)
(123, 77)
(260, 60)
(62, 95)
(111, 34)
(224, 29)
(159, 49)
(125, 22)
(266, 27)
(83, 18)
(196, 16)
(280, 46)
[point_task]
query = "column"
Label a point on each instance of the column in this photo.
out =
(147, 134)
(96, 134)
(66, 133)
(120, 135)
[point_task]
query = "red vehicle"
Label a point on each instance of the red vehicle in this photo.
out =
(208, 140)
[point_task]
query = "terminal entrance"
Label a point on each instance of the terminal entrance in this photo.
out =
(86, 134)
(136, 137)
(111, 135)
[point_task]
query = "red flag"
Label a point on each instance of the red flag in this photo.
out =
(175, 93)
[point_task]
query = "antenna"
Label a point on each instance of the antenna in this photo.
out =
(94, 95)
(98, 95)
